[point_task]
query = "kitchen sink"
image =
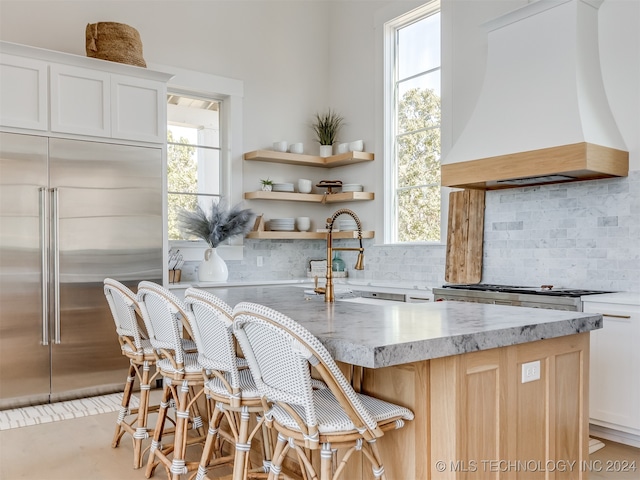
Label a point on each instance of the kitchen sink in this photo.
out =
(354, 296)
(371, 301)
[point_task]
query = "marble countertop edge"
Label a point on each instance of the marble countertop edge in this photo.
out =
(445, 346)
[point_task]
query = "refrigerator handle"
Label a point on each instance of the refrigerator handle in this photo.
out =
(44, 265)
(56, 265)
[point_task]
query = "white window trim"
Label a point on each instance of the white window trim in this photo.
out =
(387, 21)
(230, 93)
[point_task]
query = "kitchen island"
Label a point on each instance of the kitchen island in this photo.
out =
(497, 391)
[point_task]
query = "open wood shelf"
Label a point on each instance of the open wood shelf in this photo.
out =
(310, 197)
(270, 235)
(272, 156)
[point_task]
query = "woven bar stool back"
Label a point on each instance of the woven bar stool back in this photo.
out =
(229, 385)
(134, 345)
(279, 351)
(163, 315)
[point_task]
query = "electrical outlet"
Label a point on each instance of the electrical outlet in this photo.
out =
(259, 261)
(531, 371)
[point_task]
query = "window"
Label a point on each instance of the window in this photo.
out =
(413, 208)
(193, 156)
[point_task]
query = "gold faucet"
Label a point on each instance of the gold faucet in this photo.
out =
(328, 290)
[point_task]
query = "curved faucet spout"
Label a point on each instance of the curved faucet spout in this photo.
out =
(328, 290)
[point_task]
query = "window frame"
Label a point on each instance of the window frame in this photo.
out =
(220, 184)
(389, 53)
(229, 93)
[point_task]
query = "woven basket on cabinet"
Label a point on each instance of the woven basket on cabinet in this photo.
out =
(115, 42)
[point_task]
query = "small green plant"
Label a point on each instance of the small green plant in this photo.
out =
(326, 127)
(266, 181)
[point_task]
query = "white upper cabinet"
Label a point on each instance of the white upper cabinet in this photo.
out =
(137, 108)
(23, 93)
(80, 101)
(70, 94)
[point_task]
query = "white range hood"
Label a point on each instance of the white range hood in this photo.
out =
(542, 115)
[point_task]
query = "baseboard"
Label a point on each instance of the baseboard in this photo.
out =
(614, 435)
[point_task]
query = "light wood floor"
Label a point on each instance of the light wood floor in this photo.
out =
(80, 448)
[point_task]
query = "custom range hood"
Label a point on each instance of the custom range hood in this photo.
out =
(542, 115)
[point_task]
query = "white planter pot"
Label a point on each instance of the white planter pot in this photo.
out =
(213, 268)
(326, 150)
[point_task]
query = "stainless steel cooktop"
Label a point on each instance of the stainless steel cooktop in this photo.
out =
(539, 290)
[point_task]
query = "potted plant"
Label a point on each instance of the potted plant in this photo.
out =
(214, 227)
(267, 184)
(326, 127)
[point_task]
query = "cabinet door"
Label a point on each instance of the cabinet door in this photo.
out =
(615, 363)
(80, 101)
(23, 93)
(137, 107)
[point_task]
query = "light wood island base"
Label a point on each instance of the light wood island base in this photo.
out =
(474, 418)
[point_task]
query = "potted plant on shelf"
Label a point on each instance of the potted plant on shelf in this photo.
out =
(326, 127)
(214, 227)
(267, 184)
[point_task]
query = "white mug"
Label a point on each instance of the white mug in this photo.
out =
(342, 148)
(356, 146)
(304, 185)
(296, 148)
(303, 224)
(280, 146)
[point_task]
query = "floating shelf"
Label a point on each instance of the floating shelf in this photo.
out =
(310, 197)
(269, 235)
(272, 156)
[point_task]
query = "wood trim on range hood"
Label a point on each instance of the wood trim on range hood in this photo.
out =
(566, 163)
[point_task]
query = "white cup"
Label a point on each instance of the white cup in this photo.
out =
(303, 224)
(296, 148)
(304, 185)
(356, 146)
(343, 148)
(280, 146)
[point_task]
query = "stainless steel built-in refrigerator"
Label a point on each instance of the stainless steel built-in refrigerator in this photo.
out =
(71, 213)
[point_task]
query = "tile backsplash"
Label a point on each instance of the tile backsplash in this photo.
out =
(579, 235)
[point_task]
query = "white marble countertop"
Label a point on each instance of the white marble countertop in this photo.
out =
(385, 334)
(364, 285)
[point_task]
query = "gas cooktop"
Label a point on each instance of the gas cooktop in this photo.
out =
(541, 290)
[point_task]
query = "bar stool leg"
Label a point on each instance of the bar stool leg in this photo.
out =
(243, 445)
(326, 462)
(178, 465)
(157, 434)
(196, 418)
(211, 444)
(279, 454)
(267, 448)
(124, 406)
(141, 432)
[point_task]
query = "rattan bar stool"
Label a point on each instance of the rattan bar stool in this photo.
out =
(135, 345)
(164, 314)
(228, 384)
(279, 352)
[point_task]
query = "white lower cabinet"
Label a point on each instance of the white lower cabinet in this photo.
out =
(614, 392)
